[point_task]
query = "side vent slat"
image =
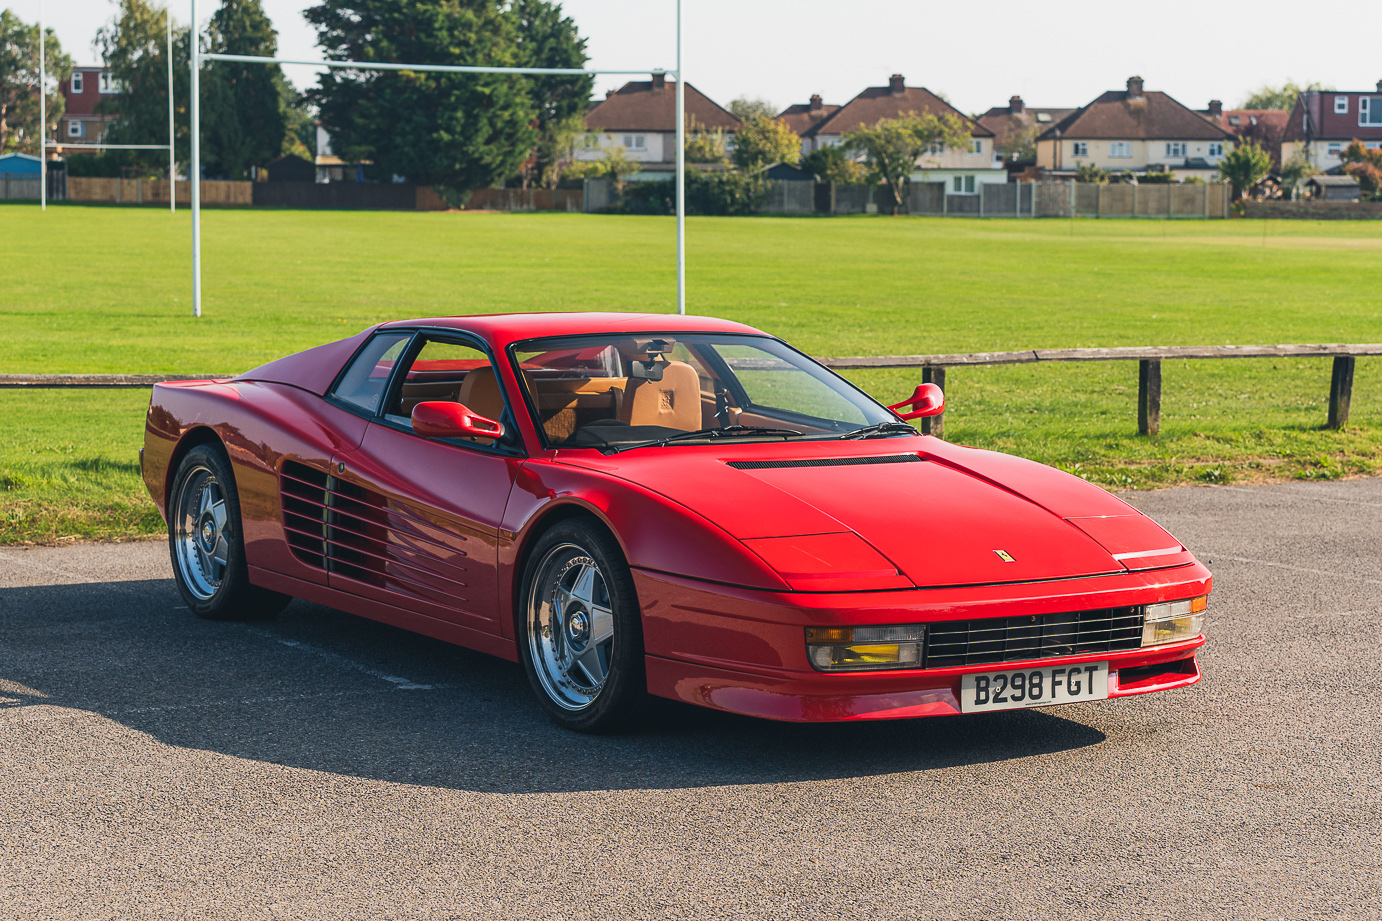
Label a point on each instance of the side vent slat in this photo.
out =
(351, 531)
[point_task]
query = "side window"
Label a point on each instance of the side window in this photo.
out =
(451, 372)
(363, 383)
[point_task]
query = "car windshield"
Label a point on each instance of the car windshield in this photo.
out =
(615, 392)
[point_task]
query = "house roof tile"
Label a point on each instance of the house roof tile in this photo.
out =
(651, 105)
(801, 118)
(879, 102)
(1146, 116)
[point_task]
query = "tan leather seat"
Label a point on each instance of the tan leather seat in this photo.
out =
(481, 394)
(673, 402)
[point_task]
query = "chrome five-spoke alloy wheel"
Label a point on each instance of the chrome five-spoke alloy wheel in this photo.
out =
(202, 547)
(570, 626)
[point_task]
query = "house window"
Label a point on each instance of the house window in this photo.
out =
(74, 129)
(1334, 149)
(1340, 105)
(108, 84)
(1080, 149)
(590, 142)
(1216, 149)
(1121, 150)
(1235, 120)
(1175, 148)
(635, 142)
(977, 147)
(77, 81)
(1043, 116)
(963, 185)
(1370, 110)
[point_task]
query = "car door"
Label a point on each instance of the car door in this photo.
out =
(417, 519)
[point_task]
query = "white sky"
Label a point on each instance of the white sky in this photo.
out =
(977, 54)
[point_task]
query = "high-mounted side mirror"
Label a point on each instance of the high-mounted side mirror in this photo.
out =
(443, 419)
(926, 400)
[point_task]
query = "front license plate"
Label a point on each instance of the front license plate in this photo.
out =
(1033, 687)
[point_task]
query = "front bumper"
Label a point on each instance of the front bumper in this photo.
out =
(744, 651)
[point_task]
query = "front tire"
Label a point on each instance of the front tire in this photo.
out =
(206, 543)
(580, 630)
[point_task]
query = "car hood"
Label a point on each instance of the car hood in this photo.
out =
(937, 514)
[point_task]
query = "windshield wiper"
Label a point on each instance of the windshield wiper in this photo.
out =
(880, 430)
(726, 432)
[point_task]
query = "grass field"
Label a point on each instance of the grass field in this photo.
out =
(105, 289)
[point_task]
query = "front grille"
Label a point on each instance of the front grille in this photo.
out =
(825, 462)
(1033, 636)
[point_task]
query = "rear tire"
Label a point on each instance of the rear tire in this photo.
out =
(580, 633)
(206, 543)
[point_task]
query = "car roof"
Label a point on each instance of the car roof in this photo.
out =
(501, 329)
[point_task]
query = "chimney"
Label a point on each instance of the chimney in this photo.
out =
(896, 86)
(816, 104)
(610, 93)
(1216, 108)
(659, 81)
(1134, 87)
(1016, 106)
(1379, 86)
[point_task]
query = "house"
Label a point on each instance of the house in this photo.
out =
(641, 117)
(802, 117)
(291, 168)
(83, 91)
(331, 168)
(1009, 122)
(1134, 130)
(1333, 188)
(19, 166)
(962, 171)
(1323, 123)
(1264, 127)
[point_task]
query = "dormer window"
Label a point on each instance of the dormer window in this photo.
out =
(107, 83)
(1043, 116)
(77, 82)
(1235, 120)
(1340, 105)
(1370, 110)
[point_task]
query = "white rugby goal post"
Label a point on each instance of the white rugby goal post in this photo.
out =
(197, 56)
(44, 145)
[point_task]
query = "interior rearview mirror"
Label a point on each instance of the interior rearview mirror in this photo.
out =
(444, 419)
(926, 400)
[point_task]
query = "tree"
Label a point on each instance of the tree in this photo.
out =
(1365, 166)
(1282, 97)
(19, 128)
(547, 39)
(833, 163)
(1088, 172)
(134, 48)
(1245, 166)
(745, 108)
(243, 119)
(1019, 146)
(453, 131)
(1294, 172)
(892, 145)
(704, 145)
(762, 141)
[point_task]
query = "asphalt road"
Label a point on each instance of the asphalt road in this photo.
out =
(322, 766)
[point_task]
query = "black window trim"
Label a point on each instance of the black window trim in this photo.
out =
(419, 336)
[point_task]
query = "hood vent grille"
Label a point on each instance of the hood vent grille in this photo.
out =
(826, 462)
(352, 531)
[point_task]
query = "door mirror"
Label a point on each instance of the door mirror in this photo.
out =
(443, 419)
(926, 400)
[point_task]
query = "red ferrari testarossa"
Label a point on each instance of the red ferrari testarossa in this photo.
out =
(634, 505)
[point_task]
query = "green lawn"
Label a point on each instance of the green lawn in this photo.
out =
(106, 289)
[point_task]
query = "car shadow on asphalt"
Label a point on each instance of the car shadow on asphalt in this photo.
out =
(327, 691)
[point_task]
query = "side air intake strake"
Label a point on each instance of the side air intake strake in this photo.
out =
(825, 462)
(354, 532)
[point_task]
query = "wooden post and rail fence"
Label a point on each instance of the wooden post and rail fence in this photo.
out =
(933, 370)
